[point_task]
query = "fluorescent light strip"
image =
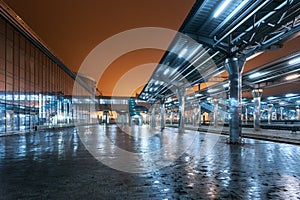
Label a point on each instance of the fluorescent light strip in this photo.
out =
(294, 61)
(293, 76)
(221, 8)
(182, 53)
(256, 75)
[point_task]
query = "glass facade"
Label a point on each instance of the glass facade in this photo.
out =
(35, 91)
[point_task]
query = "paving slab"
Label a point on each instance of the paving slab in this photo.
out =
(58, 164)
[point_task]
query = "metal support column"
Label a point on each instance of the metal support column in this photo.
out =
(216, 114)
(256, 93)
(199, 114)
(162, 114)
(246, 114)
(234, 67)
(181, 100)
(152, 116)
(281, 113)
(270, 108)
(171, 117)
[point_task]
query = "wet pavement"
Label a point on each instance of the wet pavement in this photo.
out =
(81, 163)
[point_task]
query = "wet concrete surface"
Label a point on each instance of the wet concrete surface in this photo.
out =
(58, 164)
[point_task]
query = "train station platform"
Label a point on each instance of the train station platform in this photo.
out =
(85, 163)
(284, 136)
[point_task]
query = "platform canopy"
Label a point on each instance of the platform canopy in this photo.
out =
(215, 30)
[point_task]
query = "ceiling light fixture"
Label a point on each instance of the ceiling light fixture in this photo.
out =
(290, 95)
(182, 53)
(293, 76)
(294, 61)
(226, 85)
(256, 75)
(221, 8)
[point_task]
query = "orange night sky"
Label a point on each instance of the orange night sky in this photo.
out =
(72, 28)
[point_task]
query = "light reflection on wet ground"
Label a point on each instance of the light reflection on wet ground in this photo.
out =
(56, 165)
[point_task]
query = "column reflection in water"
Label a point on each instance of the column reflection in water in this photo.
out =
(256, 93)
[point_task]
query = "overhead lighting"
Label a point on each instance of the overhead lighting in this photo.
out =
(256, 75)
(221, 8)
(182, 53)
(290, 95)
(166, 71)
(226, 85)
(212, 90)
(253, 56)
(271, 98)
(293, 76)
(294, 61)
(198, 95)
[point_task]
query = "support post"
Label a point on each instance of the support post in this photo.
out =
(298, 112)
(281, 113)
(199, 114)
(162, 114)
(216, 109)
(171, 117)
(152, 117)
(181, 100)
(256, 93)
(234, 67)
(270, 107)
(246, 114)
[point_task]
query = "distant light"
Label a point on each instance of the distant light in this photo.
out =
(294, 61)
(182, 53)
(221, 8)
(212, 90)
(198, 95)
(253, 56)
(226, 85)
(293, 76)
(290, 95)
(271, 98)
(166, 71)
(256, 75)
